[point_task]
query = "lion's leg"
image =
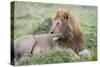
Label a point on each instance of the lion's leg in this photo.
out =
(72, 53)
(85, 53)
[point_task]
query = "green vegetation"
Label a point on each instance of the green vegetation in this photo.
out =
(52, 56)
(33, 18)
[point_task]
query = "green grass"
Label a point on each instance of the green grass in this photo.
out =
(30, 16)
(50, 57)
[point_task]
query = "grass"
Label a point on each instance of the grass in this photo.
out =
(50, 57)
(30, 16)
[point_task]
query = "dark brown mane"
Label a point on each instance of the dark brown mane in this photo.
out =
(71, 30)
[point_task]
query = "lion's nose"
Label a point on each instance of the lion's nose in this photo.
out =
(51, 32)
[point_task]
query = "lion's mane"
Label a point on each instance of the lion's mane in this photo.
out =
(73, 34)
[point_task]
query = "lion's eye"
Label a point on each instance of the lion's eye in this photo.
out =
(57, 23)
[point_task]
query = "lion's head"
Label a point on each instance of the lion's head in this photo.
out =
(65, 28)
(61, 25)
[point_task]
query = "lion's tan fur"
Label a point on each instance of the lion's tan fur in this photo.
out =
(32, 44)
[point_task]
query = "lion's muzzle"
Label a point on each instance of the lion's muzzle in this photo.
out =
(55, 36)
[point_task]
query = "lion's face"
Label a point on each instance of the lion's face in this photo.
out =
(59, 22)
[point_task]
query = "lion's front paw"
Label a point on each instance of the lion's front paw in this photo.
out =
(85, 53)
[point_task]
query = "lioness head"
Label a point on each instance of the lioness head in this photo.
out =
(59, 21)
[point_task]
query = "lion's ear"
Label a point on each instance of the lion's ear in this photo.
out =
(66, 17)
(67, 14)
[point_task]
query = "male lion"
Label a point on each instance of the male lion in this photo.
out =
(65, 33)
